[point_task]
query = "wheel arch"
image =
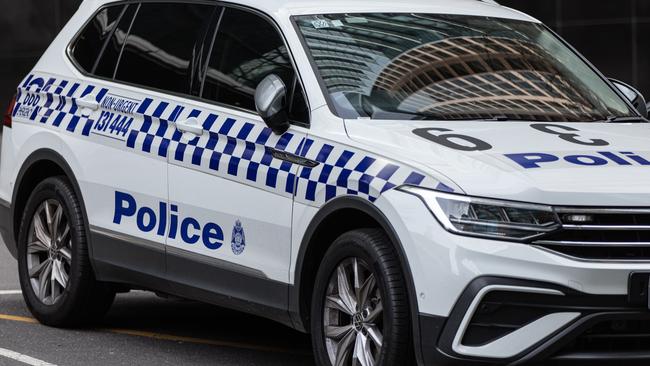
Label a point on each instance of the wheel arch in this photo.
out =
(319, 236)
(40, 165)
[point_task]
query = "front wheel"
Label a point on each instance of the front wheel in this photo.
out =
(360, 313)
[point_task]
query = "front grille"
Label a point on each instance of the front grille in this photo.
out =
(601, 234)
(617, 337)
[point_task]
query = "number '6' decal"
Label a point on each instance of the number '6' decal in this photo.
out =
(451, 140)
(570, 137)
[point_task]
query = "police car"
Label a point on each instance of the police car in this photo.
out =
(422, 181)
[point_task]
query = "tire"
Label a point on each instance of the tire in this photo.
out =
(384, 335)
(75, 297)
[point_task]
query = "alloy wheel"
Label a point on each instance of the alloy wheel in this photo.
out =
(353, 315)
(49, 252)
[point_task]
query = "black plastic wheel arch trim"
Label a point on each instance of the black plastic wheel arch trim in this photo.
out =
(53, 157)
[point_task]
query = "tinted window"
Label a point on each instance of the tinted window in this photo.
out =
(89, 44)
(298, 109)
(112, 49)
(160, 50)
(247, 48)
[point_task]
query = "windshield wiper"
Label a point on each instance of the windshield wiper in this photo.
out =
(626, 119)
(504, 119)
(497, 119)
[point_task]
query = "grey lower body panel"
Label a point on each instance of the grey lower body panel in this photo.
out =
(5, 228)
(124, 259)
(205, 279)
(141, 264)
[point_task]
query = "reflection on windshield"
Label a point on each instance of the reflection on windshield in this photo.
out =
(411, 66)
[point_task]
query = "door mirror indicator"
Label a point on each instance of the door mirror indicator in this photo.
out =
(633, 95)
(271, 103)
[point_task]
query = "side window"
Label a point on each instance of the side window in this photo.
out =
(108, 61)
(247, 48)
(88, 46)
(298, 108)
(160, 49)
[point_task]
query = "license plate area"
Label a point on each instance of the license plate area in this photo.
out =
(639, 287)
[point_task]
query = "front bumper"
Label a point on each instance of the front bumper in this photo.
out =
(452, 274)
(502, 321)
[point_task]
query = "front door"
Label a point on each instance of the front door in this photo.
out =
(231, 195)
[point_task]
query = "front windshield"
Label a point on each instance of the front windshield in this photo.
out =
(453, 67)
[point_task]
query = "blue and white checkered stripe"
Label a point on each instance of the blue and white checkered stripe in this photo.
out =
(58, 107)
(344, 171)
(234, 149)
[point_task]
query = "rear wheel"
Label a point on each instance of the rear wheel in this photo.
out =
(360, 312)
(49, 252)
(56, 278)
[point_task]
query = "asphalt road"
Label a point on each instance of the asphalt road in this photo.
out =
(143, 329)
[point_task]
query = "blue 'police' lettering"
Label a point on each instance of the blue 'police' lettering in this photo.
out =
(539, 160)
(212, 236)
(147, 220)
(124, 207)
(586, 160)
(173, 222)
(532, 160)
(615, 158)
(163, 219)
(636, 158)
(185, 230)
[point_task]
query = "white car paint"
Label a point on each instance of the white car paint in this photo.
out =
(441, 264)
(492, 174)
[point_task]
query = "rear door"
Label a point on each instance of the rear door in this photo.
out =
(232, 194)
(122, 187)
(148, 54)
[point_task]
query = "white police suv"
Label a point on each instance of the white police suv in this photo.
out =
(423, 181)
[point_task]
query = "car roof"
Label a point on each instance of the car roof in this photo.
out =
(304, 7)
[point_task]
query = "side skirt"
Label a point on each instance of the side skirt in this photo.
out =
(151, 266)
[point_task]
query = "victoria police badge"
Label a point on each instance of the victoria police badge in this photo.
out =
(238, 242)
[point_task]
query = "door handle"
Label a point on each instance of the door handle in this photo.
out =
(190, 125)
(89, 101)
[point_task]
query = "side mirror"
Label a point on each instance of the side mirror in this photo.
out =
(633, 95)
(271, 103)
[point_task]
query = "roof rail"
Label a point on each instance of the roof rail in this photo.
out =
(493, 2)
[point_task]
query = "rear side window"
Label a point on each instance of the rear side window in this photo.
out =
(246, 49)
(164, 45)
(160, 51)
(106, 64)
(88, 46)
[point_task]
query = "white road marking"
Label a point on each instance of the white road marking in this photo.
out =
(23, 358)
(10, 292)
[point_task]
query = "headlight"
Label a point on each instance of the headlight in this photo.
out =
(488, 218)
